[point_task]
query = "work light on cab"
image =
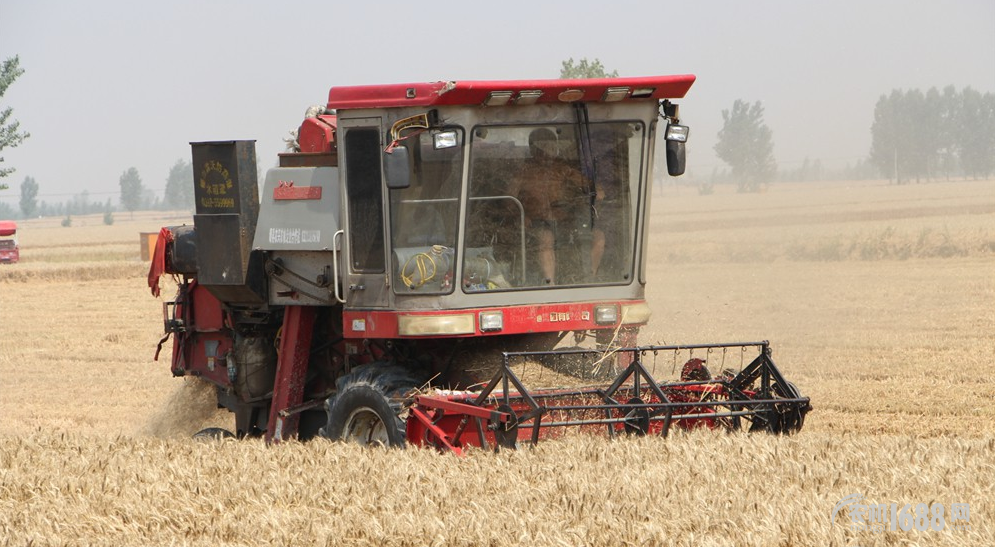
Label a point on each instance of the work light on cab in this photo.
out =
(677, 133)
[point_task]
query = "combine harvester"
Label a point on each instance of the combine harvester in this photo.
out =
(421, 246)
(10, 252)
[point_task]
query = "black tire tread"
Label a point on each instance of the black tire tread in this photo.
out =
(377, 385)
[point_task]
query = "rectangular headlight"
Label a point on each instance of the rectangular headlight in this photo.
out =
(491, 321)
(636, 314)
(677, 133)
(605, 314)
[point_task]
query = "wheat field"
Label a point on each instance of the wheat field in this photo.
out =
(879, 302)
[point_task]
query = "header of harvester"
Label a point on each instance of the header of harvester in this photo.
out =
(511, 92)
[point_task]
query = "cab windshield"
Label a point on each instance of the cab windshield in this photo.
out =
(551, 205)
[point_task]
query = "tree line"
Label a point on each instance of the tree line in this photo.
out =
(134, 196)
(914, 136)
(936, 134)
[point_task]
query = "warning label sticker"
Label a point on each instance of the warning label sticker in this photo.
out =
(294, 236)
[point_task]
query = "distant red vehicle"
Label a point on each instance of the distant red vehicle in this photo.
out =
(9, 251)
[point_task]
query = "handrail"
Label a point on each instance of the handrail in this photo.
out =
(335, 266)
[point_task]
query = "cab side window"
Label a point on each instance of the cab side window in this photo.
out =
(364, 188)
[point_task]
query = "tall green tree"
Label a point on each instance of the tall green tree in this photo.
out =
(108, 213)
(922, 143)
(747, 145)
(585, 69)
(890, 148)
(946, 155)
(10, 134)
(976, 133)
(29, 197)
(131, 190)
(179, 186)
(898, 147)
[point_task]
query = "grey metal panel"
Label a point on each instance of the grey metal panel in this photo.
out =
(303, 278)
(227, 203)
(299, 224)
(223, 259)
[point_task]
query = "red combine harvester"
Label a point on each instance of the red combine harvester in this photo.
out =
(10, 253)
(425, 242)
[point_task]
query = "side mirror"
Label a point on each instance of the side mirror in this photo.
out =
(397, 170)
(676, 136)
(675, 158)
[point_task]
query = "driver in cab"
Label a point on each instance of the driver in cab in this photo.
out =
(547, 186)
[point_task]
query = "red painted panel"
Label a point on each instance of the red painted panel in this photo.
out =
(10, 255)
(317, 134)
(207, 312)
(517, 319)
(291, 371)
(291, 192)
(200, 350)
(475, 92)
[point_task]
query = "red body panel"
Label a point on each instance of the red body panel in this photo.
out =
(574, 316)
(200, 350)
(290, 192)
(9, 251)
(291, 372)
(8, 228)
(10, 255)
(317, 134)
(475, 92)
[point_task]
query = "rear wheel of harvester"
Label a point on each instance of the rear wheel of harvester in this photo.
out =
(366, 409)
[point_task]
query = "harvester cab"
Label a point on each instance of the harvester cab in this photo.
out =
(10, 252)
(422, 239)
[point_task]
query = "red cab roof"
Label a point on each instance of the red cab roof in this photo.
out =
(8, 227)
(498, 93)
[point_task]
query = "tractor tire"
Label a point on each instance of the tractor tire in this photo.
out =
(367, 407)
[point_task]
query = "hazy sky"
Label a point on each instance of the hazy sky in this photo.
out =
(110, 85)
